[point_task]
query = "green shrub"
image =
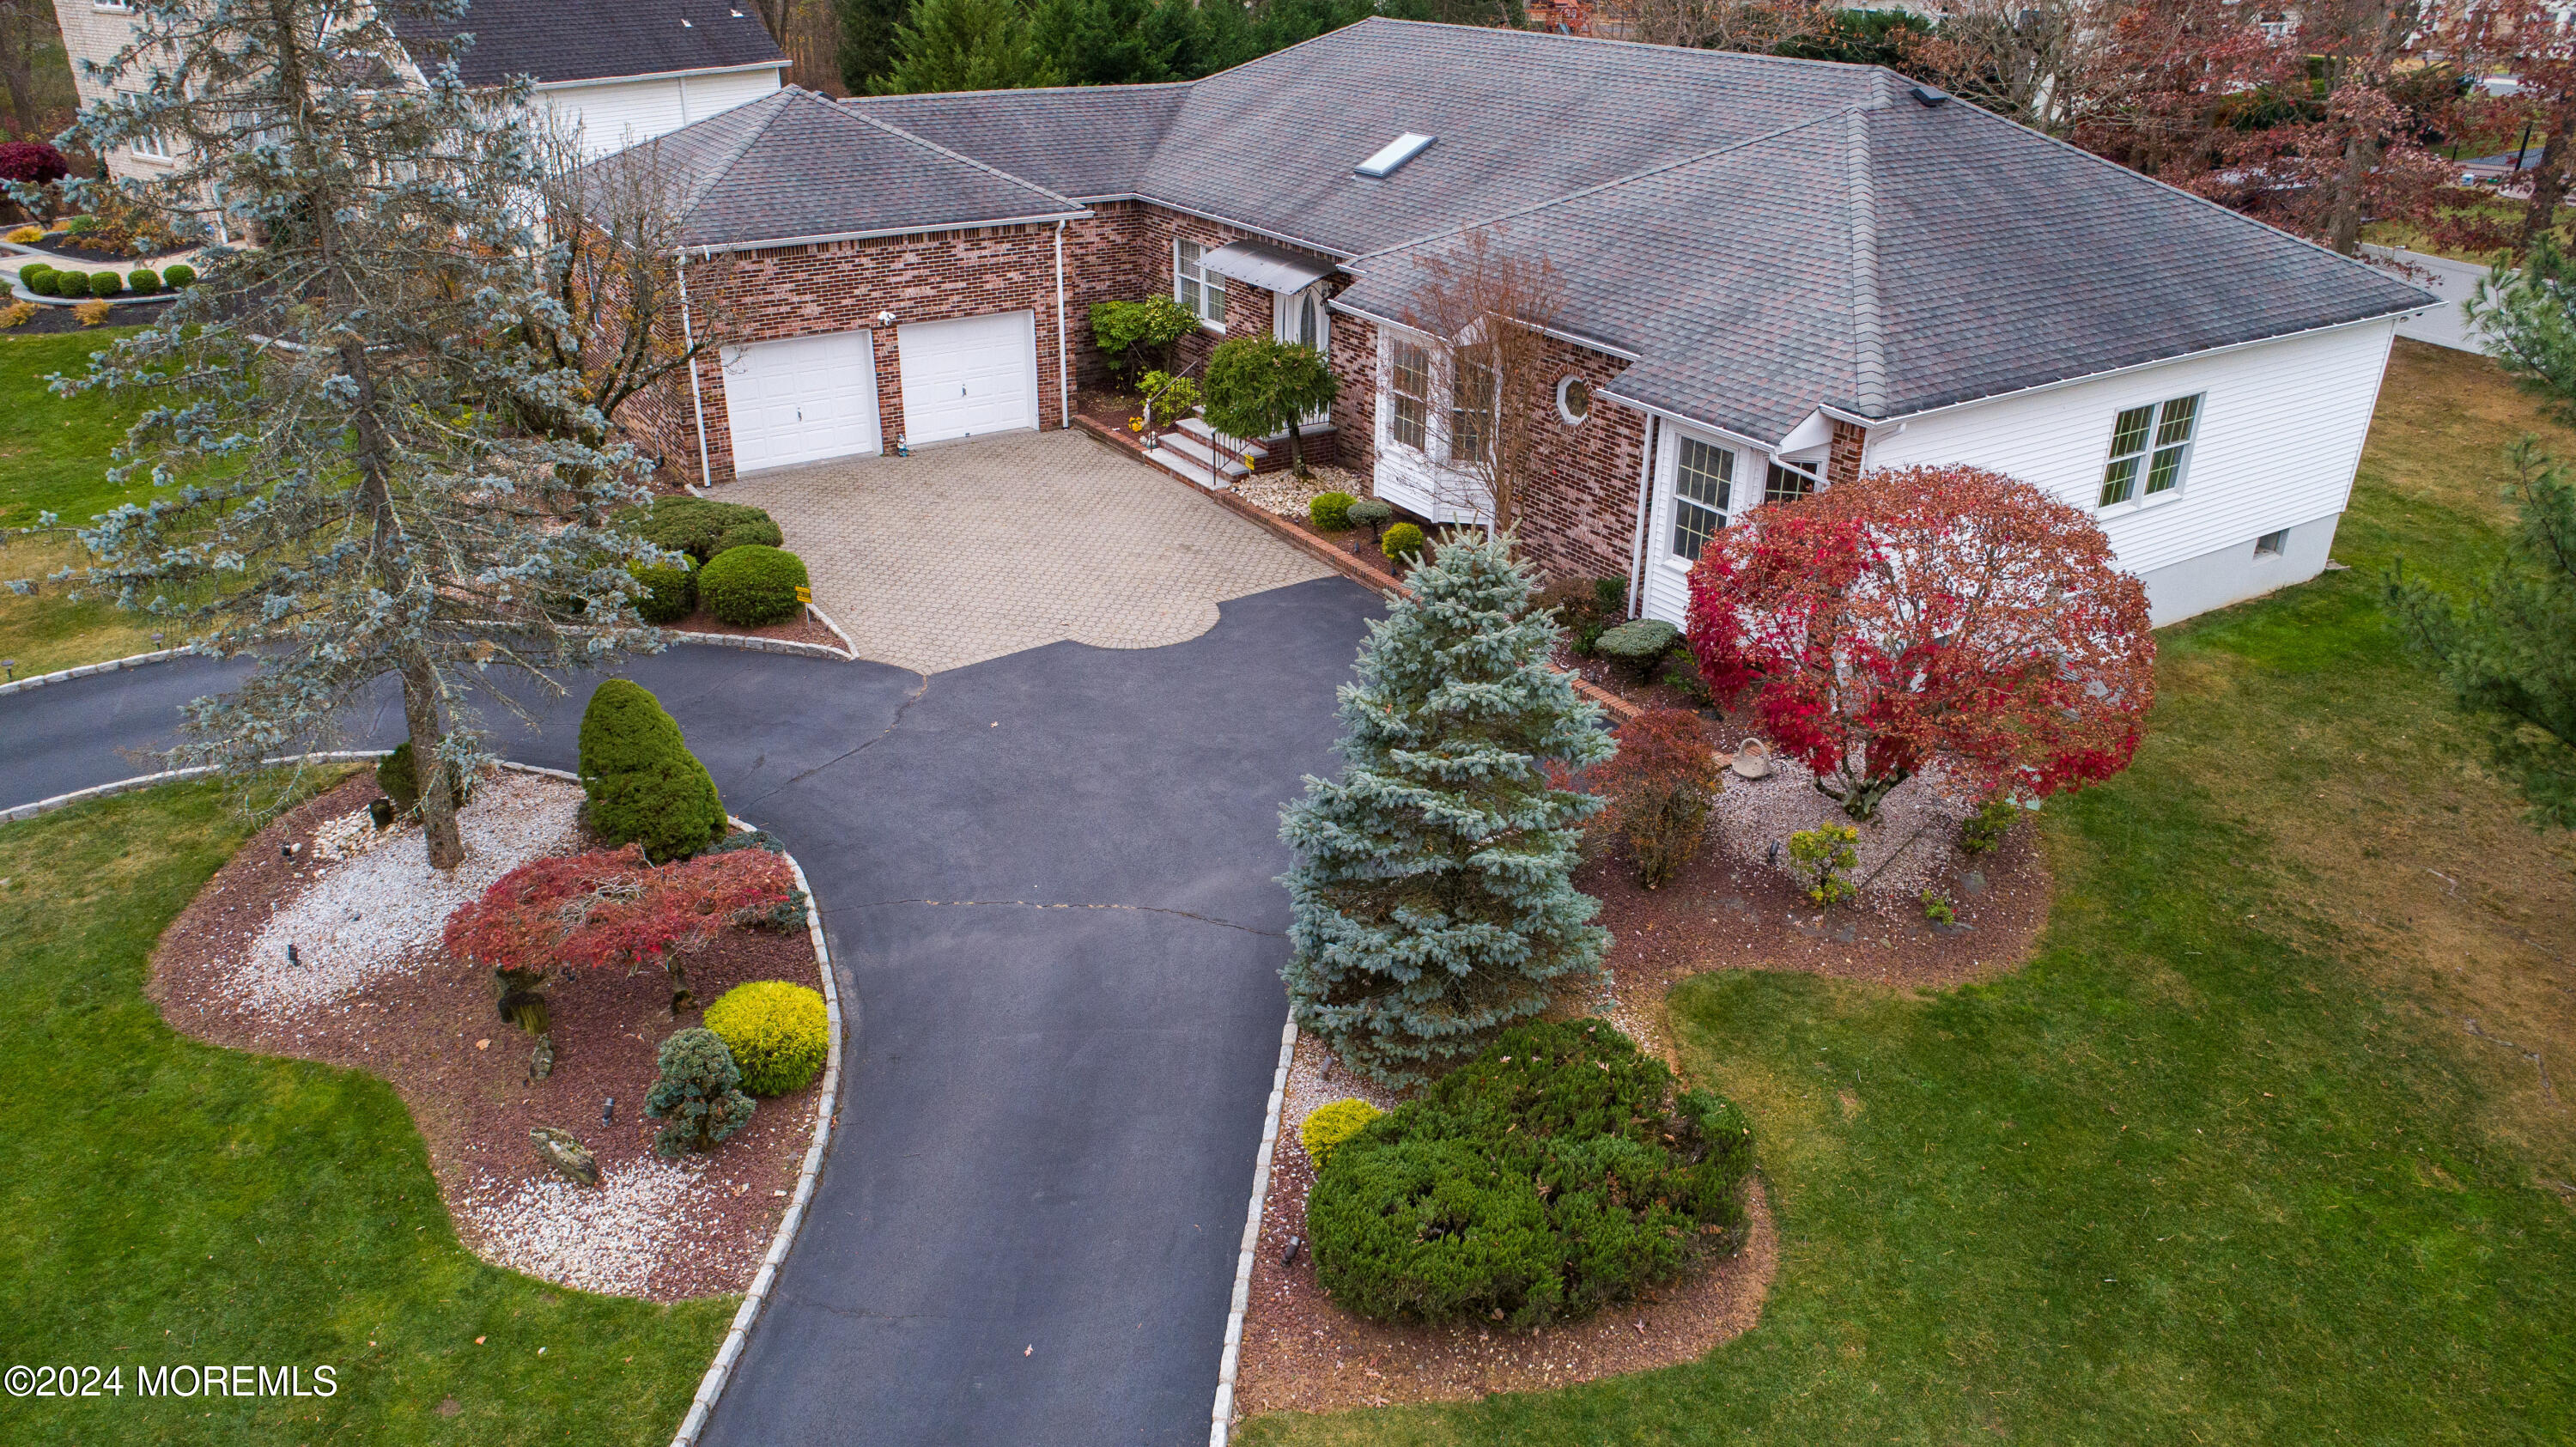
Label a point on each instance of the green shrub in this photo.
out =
(1639, 645)
(37, 277)
(144, 281)
(1681, 673)
(401, 783)
(1330, 511)
(642, 782)
(1610, 595)
(1554, 1173)
(670, 594)
(699, 1094)
(80, 225)
(1982, 831)
(752, 585)
(778, 1032)
(748, 839)
(1401, 541)
(1329, 1125)
(1370, 513)
(1938, 909)
(1135, 336)
(104, 284)
(1825, 858)
(178, 274)
(701, 526)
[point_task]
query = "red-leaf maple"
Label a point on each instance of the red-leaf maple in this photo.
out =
(611, 907)
(1929, 613)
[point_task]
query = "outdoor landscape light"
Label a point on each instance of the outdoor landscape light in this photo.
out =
(885, 319)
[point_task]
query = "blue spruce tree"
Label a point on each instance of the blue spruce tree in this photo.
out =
(1433, 897)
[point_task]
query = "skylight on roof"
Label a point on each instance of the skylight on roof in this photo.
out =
(1393, 155)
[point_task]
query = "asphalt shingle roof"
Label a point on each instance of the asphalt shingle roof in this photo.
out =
(794, 166)
(564, 40)
(1084, 141)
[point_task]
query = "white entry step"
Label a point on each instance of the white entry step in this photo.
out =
(1183, 454)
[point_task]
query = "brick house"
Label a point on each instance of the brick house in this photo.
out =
(1775, 273)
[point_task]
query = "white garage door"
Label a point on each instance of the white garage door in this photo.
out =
(967, 378)
(802, 400)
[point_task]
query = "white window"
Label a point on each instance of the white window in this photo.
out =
(1196, 287)
(1471, 412)
(1408, 385)
(2272, 545)
(1703, 484)
(2154, 440)
(1790, 481)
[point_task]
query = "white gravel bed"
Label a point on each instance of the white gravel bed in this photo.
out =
(373, 915)
(1901, 851)
(1284, 494)
(1316, 1078)
(351, 835)
(610, 1238)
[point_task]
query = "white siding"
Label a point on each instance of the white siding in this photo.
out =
(1411, 478)
(2280, 432)
(615, 114)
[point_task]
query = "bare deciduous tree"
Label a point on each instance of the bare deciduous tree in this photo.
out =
(1489, 309)
(2027, 59)
(1749, 25)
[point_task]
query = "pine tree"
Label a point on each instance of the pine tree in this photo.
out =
(867, 50)
(1433, 899)
(336, 493)
(965, 45)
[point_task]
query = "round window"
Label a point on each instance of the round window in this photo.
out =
(1574, 399)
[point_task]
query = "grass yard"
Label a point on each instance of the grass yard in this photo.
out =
(53, 458)
(2228, 1161)
(163, 1201)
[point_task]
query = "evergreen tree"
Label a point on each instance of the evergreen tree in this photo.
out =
(1433, 900)
(1115, 42)
(868, 50)
(966, 45)
(334, 493)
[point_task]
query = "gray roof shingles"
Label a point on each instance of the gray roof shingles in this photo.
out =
(567, 40)
(1086, 141)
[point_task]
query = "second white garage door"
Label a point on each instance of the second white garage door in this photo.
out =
(967, 378)
(801, 400)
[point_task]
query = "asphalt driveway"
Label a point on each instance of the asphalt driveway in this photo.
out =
(1047, 882)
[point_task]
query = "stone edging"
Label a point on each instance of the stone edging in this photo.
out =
(135, 660)
(1221, 1416)
(198, 771)
(712, 1385)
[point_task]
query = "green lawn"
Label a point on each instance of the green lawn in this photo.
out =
(53, 458)
(2223, 1163)
(163, 1201)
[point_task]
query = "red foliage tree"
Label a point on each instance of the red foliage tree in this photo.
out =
(1659, 785)
(1929, 613)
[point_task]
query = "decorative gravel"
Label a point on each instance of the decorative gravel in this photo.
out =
(350, 835)
(1284, 494)
(1901, 851)
(610, 1239)
(377, 913)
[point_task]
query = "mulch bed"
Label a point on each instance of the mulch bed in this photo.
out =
(58, 243)
(803, 628)
(1614, 679)
(435, 1036)
(55, 320)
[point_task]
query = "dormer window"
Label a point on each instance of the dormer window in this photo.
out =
(1393, 155)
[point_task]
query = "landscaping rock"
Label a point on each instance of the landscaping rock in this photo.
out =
(1973, 882)
(560, 1149)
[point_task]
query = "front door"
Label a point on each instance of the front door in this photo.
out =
(1300, 317)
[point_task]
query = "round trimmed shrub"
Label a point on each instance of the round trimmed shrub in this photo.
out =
(778, 1032)
(1553, 1174)
(144, 281)
(1330, 1124)
(699, 1094)
(752, 585)
(1638, 645)
(642, 782)
(1402, 541)
(1369, 512)
(670, 594)
(1330, 511)
(396, 776)
(703, 527)
(105, 284)
(38, 278)
(178, 274)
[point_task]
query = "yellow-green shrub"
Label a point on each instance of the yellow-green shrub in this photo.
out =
(778, 1032)
(1329, 1125)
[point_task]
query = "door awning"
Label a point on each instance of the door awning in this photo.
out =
(1272, 268)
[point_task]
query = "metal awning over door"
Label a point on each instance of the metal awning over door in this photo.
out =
(1272, 268)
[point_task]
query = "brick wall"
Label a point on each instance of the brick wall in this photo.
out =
(1580, 517)
(842, 286)
(1842, 460)
(1106, 258)
(1354, 348)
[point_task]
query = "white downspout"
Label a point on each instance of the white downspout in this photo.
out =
(1645, 506)
(697, 397)
(1063, 366)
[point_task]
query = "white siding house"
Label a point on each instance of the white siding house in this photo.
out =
(612, 114)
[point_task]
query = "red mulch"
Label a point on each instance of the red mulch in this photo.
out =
(803, 628)
(474, 1106)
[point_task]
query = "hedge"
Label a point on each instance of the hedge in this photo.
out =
(753, 585)
(642, 782)
(702, 527)
(670, 594)
(144, 280)
(104, 284)
(778, 1032)
(178, 274)
(1330, 511)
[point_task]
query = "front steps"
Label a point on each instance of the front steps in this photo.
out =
(1191, 450)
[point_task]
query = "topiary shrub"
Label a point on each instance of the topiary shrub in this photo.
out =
(699, 1095)
(642, 782)
(1401, 542)
(105, 284)
(401, 783)
(1370, 513)
(1330, 511)
(753, 585)
(178, 274)
(1639, 645)
(144, 281)
(670, 594)
(701, 526)
(778, 1032)
(37, 277)
(1556, 1172)
(1328, 1125)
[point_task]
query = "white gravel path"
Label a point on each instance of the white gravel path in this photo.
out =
(1906, 846)
(375, 914)
(607, 1239)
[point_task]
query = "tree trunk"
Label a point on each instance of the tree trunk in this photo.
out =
(421, 721)
(2343, 223)
(2549, 182)
(1296, 449)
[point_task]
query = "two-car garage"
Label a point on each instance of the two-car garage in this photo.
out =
(815, 398)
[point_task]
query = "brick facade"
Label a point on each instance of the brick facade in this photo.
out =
(1842, 461)
(1580, 517)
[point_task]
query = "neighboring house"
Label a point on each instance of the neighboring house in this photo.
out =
(1775, 273)
(616, 71)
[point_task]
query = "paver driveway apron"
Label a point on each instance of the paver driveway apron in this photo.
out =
(974, 549)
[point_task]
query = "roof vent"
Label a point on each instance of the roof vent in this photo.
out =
(686, 24)
(1930, 99)
(1393, 155)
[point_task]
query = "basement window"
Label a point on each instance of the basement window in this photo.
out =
(2272, 545)
(1392, 156)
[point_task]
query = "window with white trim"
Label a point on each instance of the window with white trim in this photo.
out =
(1196, 287)
(1408, 386)
(1790, 481)
(1471, 412)
(2150, 445)
(1703, 483)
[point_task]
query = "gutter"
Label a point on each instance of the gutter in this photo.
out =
(555, 85)
(1645, 506)
(1063, 362)
(782, 242)
(697, 397)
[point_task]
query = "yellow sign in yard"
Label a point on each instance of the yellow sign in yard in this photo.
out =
(804, 595)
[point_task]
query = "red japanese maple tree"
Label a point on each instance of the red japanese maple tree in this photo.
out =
(1926, 614)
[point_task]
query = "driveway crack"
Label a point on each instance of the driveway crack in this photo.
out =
(918, 692)
(1050, 904)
